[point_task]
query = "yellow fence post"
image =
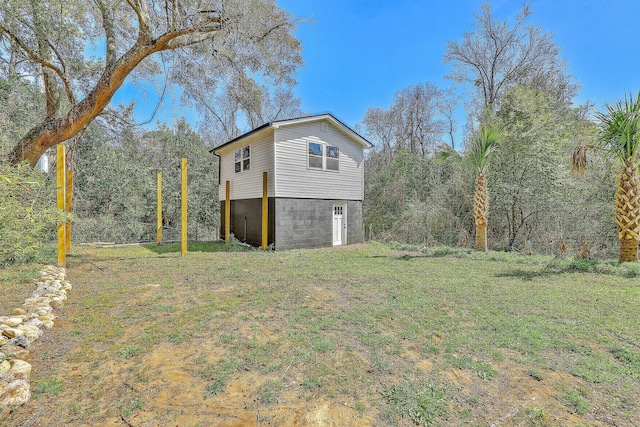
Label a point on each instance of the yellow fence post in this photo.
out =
(60, 198)
(227, 213)
(265, 210)
(69, 203)
(159, 226)
(183, 240)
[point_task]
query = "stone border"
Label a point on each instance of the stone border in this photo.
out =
(23, 327)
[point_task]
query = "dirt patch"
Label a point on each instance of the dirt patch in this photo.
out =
(209, 341)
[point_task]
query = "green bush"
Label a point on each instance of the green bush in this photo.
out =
(28, 213)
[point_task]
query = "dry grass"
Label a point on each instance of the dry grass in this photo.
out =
(362, 335)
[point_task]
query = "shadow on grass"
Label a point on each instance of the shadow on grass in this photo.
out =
(198, 247)
(628, 270)
(577, 266)
(525, 274)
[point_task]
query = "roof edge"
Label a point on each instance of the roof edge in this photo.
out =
(277, 123)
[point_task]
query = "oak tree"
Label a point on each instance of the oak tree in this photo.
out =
(499, 55)
(81, 53)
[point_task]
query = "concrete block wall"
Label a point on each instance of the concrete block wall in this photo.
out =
(293, 223)
(308, 223)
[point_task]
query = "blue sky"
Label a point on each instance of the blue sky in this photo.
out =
(358, 53)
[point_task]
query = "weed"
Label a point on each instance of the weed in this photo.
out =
(228, 338)
(216, 386)
(423, 403)
(630, 359)
(51, 385)
(129, 351)
(537, 415)
(536, 375)
(465, 414)
(322, 345)
(480, 368)
(532, 417)
(268, 391)
(429, 349)
(127, 410)
(178, 337)
(148, 338)
(219, 375)
(575, 399)
(594, 367)
(311, 383)
(7, 357)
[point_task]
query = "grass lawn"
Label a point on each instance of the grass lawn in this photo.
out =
(360, 335)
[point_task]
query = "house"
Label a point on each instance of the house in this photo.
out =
(295, 183)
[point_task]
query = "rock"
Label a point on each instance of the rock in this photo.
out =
(14, 350)
(20, 341)
(48, 324)
(43, 311)
(15, 394)
(20, 369)
(32, 333)
(5, 366)
(4, 409)
(34, 322)
(47, 316)
(13, 322)
(18, 311)
(3, 340)
(12, 332)
(56, 302)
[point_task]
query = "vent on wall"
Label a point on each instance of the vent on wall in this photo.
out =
(324, 127)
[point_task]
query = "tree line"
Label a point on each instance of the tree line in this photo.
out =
(501, 179)
(514, 84)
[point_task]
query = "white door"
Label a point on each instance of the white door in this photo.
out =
(339, 226)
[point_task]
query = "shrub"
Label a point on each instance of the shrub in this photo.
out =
(28, 213)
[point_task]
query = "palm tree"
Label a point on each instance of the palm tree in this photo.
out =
(619, 138)
(481, 151)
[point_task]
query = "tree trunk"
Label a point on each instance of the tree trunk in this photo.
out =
(628, 211)
(628, 250)
(481, 212)
(54, 130)
(481, 236)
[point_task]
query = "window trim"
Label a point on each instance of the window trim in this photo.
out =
(239, 159)
(324, 149)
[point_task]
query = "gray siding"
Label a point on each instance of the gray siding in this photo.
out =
(248, 184)
(295, 179)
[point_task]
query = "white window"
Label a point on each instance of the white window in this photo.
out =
(326, 157)
(315, 155)
(332, 160)
(242, 159)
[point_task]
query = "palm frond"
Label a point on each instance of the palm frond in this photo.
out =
(580, 159)
(483, 146)
(445, 153)
(619, 127)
